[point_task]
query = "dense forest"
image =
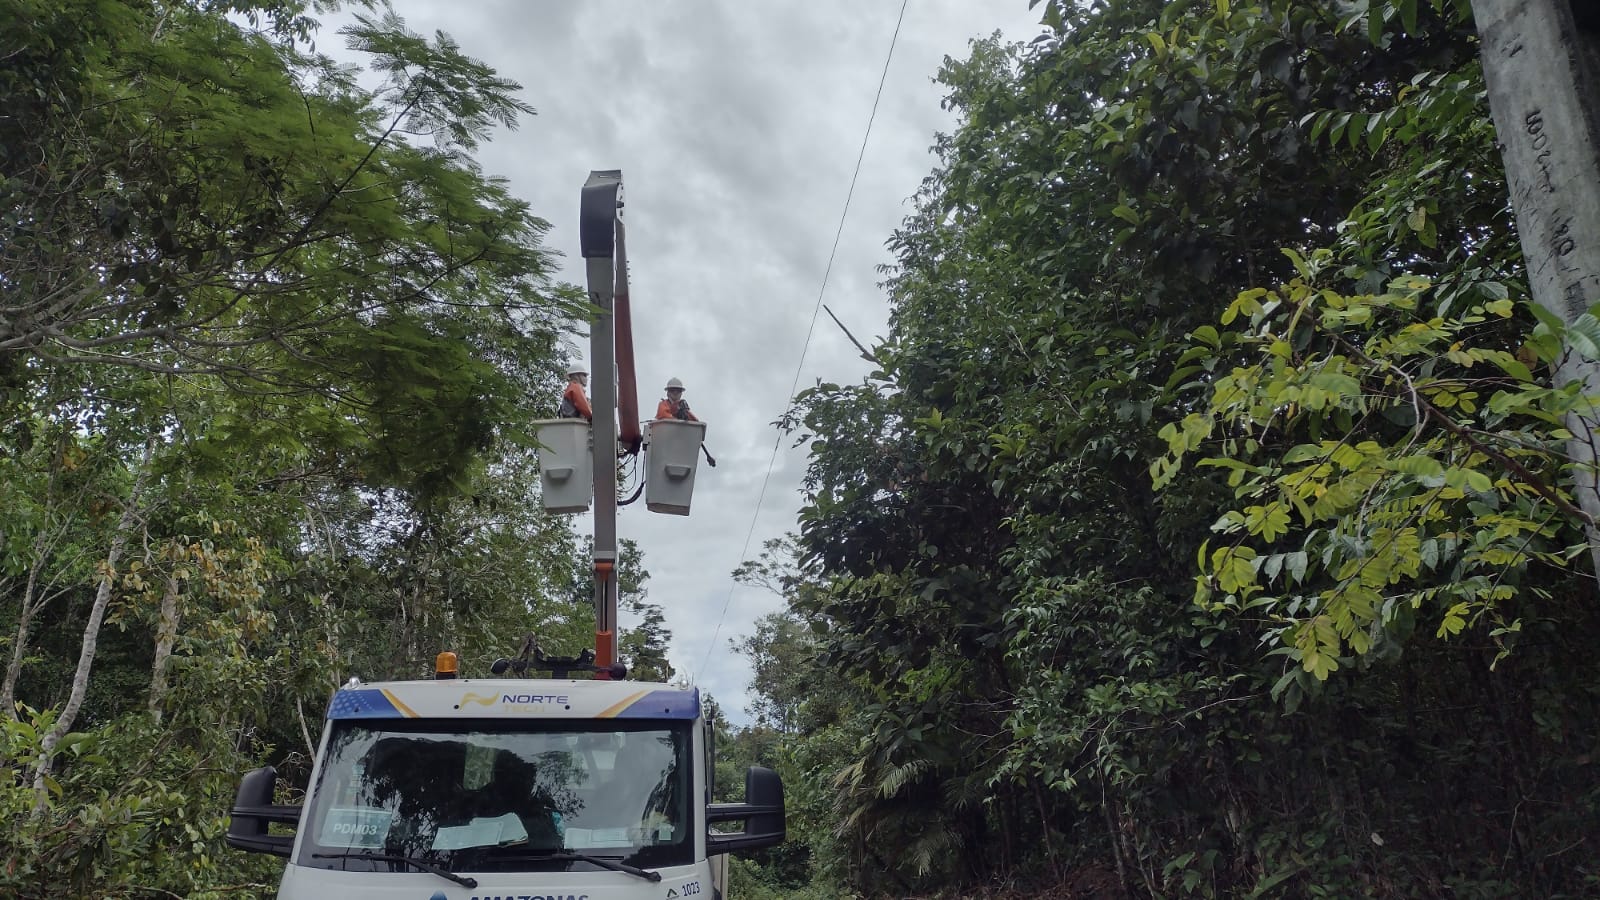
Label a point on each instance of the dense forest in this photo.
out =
(1204, 530)
(269, 341)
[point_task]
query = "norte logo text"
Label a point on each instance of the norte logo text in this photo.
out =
(513, 700)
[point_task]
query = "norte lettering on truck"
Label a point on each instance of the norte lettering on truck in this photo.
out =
(490, 699)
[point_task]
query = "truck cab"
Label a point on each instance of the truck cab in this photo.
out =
(492, 789)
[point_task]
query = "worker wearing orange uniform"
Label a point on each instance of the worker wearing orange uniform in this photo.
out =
(674, 406)
(574, 402)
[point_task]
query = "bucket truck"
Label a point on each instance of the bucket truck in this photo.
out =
(534, 788)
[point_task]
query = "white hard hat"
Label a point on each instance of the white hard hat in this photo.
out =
(577, 370)
(674, 384)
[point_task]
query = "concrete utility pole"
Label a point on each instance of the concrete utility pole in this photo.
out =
(1541, 61)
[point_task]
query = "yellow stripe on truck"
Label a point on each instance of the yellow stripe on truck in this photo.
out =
(613, 710)
(408, 711)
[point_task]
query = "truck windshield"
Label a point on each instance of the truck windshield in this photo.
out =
(476, 795)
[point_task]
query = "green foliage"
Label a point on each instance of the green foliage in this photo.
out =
(133, 809)
(1425, 481)
(783, 645)
(643, 647)
(750, 879)
(315, 250)
(328, 329)
(1072, 437)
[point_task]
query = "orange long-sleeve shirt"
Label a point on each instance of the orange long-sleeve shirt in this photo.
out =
(574, 395)
(665, 410)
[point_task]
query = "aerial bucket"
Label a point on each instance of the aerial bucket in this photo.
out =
(566, 464)
(674, 455)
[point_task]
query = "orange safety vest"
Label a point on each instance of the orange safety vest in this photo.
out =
(573, 397)
(666, 410)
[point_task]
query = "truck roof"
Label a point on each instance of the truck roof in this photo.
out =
(514, 698)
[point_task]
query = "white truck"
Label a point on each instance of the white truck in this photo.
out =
(508, 789)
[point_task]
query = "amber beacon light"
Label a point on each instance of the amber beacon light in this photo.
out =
(445, 666)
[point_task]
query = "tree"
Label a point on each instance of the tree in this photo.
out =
(269, 341)
(782, 647)
(642, 648)
(1000, 577)
(181, 203)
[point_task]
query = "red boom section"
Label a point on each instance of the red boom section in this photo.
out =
(630, 437)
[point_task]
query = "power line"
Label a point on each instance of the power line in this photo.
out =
(806, 347)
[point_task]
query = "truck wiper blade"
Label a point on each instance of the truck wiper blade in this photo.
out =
(568, 856)
(463, 880)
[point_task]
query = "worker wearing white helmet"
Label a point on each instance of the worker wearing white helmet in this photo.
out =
(574, 402)
(673, 406)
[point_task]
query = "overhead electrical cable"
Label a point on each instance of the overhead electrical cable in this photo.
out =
(806, 347)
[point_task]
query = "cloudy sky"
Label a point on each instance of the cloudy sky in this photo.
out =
(736, 124)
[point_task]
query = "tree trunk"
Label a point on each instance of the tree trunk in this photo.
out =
(31, 602)
(1541, 68)
(166, 636)
(1116, 839)
(91, 632)
(19, 647)
(305, 730)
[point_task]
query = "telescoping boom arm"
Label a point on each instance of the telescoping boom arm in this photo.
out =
(578, 460)
(602, 236)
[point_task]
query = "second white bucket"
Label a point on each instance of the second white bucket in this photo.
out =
(674, 457)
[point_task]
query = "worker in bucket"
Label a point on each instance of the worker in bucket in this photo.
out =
(673, 406)
(574, 402)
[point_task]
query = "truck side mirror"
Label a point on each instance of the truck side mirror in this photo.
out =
(762, 814)
(253, 811)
